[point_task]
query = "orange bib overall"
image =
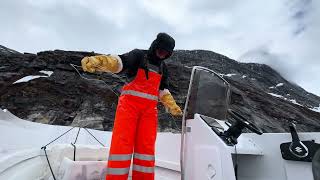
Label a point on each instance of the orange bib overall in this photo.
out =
(135, 129)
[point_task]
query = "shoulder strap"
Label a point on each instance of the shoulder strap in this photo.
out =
(161, 67)
(145, 66)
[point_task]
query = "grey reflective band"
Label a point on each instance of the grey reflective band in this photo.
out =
(143, 169)
(145, 157)
(120, 157)
(140, 94)
(153, 70)
(118, 171)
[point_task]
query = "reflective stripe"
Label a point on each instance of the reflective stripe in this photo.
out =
(153, 70)
(120, 157)
(118, 171)
(143, 169)
(146, 157)
(140, 94)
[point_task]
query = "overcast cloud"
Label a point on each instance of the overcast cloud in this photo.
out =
(284, 34)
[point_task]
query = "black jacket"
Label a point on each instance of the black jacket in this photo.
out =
(138, 58)
(147, 59)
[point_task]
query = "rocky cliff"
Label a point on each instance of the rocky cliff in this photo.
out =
(53, 92)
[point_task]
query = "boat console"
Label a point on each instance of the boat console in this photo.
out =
(230, 135)
(214, 145)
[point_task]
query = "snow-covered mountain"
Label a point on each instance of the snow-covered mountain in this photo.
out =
(45, 88)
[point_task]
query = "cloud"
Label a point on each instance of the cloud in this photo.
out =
(292, 50)
(281, 33)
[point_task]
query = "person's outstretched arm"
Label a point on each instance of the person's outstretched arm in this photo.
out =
(113, 63)
(102, 63)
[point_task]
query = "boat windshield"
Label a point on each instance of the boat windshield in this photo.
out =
(208, 94)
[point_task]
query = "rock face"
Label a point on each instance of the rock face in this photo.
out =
(64, 98)
(7, 51)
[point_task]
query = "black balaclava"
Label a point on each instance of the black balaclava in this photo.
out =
(163, 41)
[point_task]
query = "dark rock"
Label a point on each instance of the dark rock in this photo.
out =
(7, 51)
(65, 98)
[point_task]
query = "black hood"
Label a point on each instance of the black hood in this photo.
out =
(163, 41)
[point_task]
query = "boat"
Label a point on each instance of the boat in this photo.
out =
(215, 143)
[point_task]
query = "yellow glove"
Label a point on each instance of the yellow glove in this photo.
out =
(103, 63)
(89, 64)
(169, 103)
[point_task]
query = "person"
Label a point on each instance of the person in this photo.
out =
(135, 125)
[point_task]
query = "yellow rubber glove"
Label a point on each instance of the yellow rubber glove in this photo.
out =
(89, 64)
(170, 104)
(103, 63)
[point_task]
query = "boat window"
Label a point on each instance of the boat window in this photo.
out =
(208, 95)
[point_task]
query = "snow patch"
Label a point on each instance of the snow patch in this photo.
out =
(316, 109)
(31, 77)
(276, 95)
(280, 84)
(290, 100)
(294, 102)
(229, 75)
(49, 73)
(27, 78)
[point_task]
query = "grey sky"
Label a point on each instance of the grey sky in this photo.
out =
(281, 33)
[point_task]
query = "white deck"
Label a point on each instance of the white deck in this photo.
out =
(21, 142)
(206, 155)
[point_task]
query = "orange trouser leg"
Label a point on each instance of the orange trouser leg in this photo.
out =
(123, 137)
(143, 158)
